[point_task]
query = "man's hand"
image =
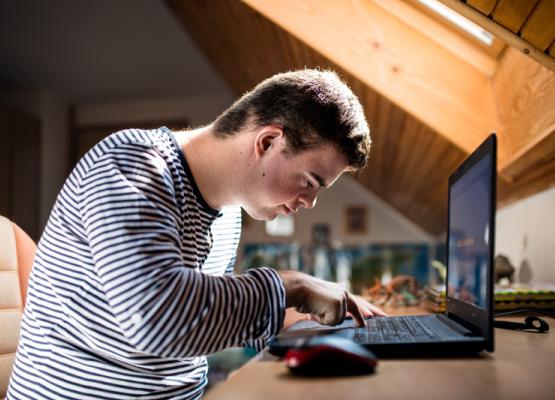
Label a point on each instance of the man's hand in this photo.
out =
(326, 302)
(368, 309)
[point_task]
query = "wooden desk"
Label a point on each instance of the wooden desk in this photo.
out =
(522, 367)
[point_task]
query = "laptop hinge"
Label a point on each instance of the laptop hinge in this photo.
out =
(458, 325)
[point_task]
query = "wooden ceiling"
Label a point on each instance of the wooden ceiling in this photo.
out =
(527, 25)
(430, 95)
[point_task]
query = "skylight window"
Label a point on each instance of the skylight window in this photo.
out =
(476, 31)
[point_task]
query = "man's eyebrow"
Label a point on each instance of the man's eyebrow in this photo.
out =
(318, 179)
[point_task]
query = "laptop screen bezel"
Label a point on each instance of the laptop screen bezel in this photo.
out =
(479, 320)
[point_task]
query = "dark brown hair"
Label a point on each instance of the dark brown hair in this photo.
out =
(313, 107)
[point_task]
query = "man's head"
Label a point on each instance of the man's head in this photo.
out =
(303, 129)
(312, 107)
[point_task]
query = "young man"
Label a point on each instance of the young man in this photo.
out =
(132, 281)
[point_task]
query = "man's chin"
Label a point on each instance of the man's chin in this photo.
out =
(266, 215)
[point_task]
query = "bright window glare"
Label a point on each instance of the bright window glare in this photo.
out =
(459, 20)
(282, 225)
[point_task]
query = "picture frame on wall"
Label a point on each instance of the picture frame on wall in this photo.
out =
(321, 234)
(356, 219)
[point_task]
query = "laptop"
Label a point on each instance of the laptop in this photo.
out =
(466, 327)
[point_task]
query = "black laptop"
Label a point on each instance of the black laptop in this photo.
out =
(466, 327)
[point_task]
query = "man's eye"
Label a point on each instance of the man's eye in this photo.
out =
(309, 184)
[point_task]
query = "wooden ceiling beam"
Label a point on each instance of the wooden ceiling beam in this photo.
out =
(396, 60)
(539, 28)
(512, 14)
(525, 94)
(504, 33)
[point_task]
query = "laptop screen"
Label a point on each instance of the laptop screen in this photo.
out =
(469, 234)
(471, 240)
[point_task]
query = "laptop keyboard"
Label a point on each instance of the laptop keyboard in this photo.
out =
(402, 329)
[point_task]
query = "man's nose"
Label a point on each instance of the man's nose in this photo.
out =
(308, 200)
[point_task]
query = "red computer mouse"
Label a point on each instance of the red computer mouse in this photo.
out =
(330, 355)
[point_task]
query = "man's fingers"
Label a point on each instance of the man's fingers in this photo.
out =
(336, 316)
(329, 318)
(327, 302)
(344, 308)
(355, 311)
(377, 311)
(369, 310)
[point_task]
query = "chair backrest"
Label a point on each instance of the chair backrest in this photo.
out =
(17, 251)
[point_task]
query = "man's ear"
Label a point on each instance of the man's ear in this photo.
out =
(268, 137)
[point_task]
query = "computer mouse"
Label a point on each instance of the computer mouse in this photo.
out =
(330, 355)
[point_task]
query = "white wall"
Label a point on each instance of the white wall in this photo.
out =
(385, 224)
(55, 149)
(526, 230)
(51, 110)
(198, 109)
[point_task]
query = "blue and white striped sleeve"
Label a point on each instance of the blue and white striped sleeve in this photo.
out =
(129, 211)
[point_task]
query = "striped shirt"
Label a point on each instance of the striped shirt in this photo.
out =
(132, 285)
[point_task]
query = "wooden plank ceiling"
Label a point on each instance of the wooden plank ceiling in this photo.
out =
(430, 96)
(528, 25)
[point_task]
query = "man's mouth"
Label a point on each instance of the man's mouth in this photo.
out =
(287, 210)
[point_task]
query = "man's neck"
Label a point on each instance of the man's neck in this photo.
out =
(214, 163)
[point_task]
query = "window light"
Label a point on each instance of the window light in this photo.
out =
(463, 23)
(282, 225)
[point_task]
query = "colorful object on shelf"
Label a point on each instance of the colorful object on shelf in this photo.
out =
(512, 298)
(400, 291)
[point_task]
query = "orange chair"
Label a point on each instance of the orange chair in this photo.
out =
(17, 251)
